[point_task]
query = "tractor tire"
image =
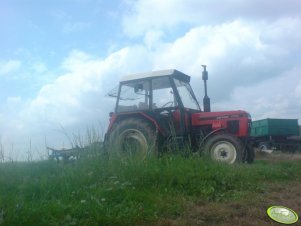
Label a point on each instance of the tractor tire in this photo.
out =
(133, 137)
(249, 154)
(224, 148)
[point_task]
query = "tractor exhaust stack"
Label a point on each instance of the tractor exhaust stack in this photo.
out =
(206, 99)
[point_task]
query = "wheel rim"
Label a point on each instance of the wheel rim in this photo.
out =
(132, 141)
(223, 151)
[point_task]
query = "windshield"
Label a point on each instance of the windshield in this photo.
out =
(186, 95)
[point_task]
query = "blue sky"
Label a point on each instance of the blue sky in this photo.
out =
(47, 28)
(38, 35)
(58, 59)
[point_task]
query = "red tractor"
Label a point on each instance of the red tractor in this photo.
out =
(158, 111)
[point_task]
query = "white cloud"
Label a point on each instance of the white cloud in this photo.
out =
(153, 14)
(276, 97)
(76, 98)
(7, 67)
(205, 44)
(144, 15)
(153, 39)
(236, 53)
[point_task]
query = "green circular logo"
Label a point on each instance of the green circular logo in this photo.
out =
(282, 214)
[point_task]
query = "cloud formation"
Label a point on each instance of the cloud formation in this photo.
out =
(144, 15)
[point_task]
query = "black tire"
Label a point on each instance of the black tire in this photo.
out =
(249, 154)
(224, 148)
(133, 137)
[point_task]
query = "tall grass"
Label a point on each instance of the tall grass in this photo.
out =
(105, 190)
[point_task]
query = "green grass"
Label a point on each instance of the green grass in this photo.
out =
(110, 191)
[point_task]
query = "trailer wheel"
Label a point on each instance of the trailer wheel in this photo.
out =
(264, 146)
(133, 137)
(224, 148)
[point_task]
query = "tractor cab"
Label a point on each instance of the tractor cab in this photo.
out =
(164, 96)
(155, 90)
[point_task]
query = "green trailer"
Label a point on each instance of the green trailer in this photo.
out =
(276, 134)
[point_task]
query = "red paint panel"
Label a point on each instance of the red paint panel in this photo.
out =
(219, 120)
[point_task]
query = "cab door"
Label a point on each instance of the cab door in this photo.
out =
(165, 106)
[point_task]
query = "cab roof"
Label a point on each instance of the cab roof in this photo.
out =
(168, 72)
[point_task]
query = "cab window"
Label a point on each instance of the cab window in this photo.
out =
(134, 96)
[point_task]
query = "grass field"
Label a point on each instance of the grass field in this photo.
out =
(170, 190)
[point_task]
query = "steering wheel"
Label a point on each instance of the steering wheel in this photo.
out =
(169, 104)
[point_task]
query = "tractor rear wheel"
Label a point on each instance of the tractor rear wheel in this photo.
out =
(133, 137)
(224, 148)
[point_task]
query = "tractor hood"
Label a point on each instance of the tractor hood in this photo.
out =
(237, 121)
(220, 115)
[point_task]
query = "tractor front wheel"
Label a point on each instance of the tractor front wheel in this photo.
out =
(133, 137)
(249, 154)
(224, 148)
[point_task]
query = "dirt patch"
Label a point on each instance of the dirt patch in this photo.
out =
(278, 156)
(250, 212)
(244, 213)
